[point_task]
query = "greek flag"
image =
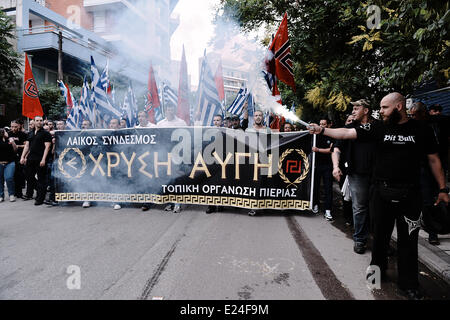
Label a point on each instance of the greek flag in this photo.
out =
(104, 78)
(86, 108)
(250, 110)
(129, 108)
(208, 102)
(65, 92)
(237, 106)
(103, 106)
(169, 96)
(74, 119)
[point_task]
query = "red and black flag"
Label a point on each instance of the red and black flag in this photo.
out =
(31, 106)
(153, 105)
(280, 62)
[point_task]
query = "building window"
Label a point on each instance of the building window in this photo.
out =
(39, 75)
(99, 21)
(51, 77)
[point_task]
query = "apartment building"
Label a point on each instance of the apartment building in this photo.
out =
(105, 29)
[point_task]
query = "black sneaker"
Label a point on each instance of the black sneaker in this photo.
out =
(50, 203)
(412, 294)
(210, 209)
(359, 247)
(433, 239)
(145, 208)
(26, 198)
(38, 203)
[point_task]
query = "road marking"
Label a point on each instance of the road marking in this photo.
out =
(326, 280)
(154, 279)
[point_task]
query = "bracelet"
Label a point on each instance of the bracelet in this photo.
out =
(444, 190)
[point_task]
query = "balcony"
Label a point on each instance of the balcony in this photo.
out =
(46, 37)
(92, 5)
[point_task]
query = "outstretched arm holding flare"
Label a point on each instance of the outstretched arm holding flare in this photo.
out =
(339, 133)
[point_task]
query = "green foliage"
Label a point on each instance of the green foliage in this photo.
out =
(52, 102)
(338, 59)
(9, 67)
(9, 59)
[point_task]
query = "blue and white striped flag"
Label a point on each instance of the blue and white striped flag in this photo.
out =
(129, 108)
(237, 106)
(169, 95)
(250, 109)
(103, 106)
(104, 78)
(74, 119)
(208, 97)
(86, 108)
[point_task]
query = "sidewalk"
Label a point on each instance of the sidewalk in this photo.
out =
(435, 258)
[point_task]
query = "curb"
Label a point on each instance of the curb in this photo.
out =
(432, 257)
(435, 259)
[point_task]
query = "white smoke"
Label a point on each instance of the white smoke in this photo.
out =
(249, 56)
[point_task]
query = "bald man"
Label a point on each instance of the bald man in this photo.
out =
(401, 145)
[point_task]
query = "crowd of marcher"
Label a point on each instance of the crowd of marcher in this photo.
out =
(388, 170)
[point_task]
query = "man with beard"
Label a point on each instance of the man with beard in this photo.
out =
(235, 123)
(35, 157)
(401, 144)
(258, 124)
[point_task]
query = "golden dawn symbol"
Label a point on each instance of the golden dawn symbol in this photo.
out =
(71, 163)
(294, 167)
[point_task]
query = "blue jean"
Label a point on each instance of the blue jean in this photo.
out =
(7, 173)
(359, 189)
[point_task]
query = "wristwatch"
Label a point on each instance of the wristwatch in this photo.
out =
(444, 190)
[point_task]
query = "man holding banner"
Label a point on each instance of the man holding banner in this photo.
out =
(34, 157)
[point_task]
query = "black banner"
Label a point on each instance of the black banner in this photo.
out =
(189, 165)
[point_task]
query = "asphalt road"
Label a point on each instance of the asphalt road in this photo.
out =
(130, 254)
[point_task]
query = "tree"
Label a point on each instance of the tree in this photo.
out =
(9, 59)
(52, 102)
(9, 69)
(338, 58)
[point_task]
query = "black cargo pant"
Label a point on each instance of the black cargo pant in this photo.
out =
(32, 168)
(326, 172)
(386, 211)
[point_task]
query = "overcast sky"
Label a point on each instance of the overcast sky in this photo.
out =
(194, 31)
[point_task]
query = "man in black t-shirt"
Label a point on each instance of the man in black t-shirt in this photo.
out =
(19, 174)
(359, 156)
(323, 170)
(401, 144)
(35, 157)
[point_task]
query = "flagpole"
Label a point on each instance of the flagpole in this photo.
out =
(163, 111)
(313, 173)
